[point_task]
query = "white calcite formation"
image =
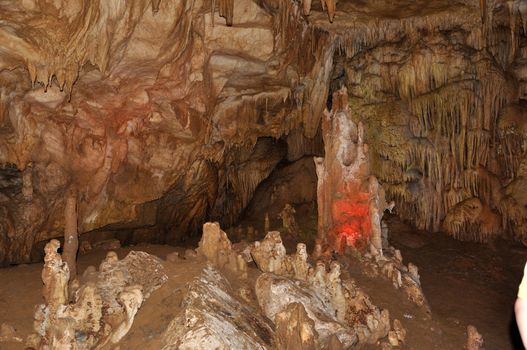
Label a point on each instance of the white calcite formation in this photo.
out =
(336, 307)
(276, 293)
(474, 339)
(216, 248)
(213, 318)
(102, 308)
(55, 276)
(270, 254)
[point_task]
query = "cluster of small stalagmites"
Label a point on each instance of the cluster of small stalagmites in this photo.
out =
(102, 309)
(309, 304)
(289, 278)
(390, 264)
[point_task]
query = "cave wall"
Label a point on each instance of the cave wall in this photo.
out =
(443, 99)
(162, 114)
(157, 113)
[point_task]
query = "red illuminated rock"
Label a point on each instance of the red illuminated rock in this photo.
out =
(350, 200)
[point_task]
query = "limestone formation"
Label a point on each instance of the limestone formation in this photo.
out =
(300, 264)
(474, 339)
(103, 307)
(275, 293)
(55, 276)
(295, 330)
(71, 236)
(177, 115)
(336, 292)
(216, 248)
(350, 200)
(212, 318)
(288, 221)
(270, 255)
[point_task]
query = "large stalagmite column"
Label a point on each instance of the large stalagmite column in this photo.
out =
(350, 200)
(71, 239)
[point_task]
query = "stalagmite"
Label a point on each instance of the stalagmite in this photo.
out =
(216, 247)
(474, 339)
(55, 276)
(288, 220)
(300, 265)
(270, 255)
(336, 291)
(351, 202)
(71, 238)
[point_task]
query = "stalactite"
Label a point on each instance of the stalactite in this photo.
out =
(227, 10)
(155, 5)
(306, 5)
(483, 9)
(513, 17)
(330, 7)
(454, 107)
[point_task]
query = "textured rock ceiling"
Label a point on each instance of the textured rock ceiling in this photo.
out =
(159, 115)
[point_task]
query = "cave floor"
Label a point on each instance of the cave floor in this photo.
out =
(465, 283)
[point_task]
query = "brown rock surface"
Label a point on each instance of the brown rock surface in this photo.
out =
(294, 329)
(165, 114)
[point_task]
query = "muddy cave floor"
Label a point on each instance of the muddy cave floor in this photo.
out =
(465, 283)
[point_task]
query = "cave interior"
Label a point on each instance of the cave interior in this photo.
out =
(262, 174)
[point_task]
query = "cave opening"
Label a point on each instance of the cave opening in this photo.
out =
(262, 174)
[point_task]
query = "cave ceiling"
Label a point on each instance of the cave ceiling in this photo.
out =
(167, 113)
